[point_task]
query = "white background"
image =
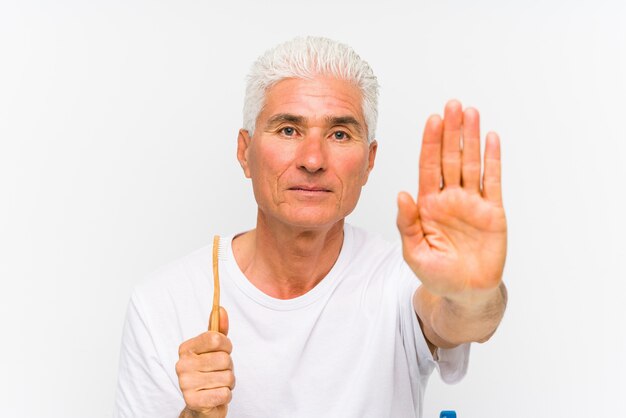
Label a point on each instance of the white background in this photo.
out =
(118, 122)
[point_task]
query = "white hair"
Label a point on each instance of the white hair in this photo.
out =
(307, 58)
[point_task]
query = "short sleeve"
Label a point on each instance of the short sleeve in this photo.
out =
(143, 388)
(452, 363)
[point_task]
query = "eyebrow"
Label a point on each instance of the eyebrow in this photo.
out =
(301, 120)
(286, 117)
(345, 120)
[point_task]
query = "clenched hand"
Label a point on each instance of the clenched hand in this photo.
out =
(205, 373)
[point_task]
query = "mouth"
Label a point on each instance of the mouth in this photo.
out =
(311, 189)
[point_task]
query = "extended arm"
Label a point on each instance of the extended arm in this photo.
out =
(447, 323)
(454, 236)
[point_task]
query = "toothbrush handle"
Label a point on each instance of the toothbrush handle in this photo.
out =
(214, 321)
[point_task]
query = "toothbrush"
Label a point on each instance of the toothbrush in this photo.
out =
(214, 321)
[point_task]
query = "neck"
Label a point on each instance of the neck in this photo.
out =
(284, 261)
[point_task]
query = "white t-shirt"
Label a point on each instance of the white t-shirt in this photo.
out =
(350, 347)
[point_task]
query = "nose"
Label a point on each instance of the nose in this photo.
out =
(312, 153)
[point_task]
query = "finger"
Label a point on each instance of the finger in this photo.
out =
(471, 151)
(430, 157)
(451, 146)
(410, 226)
(210, 362)
(407, 214)
(223, 321)
(206, 342)
(204, 381)
(222, 317)
(217, 398)
(210, 402)
(492, 183)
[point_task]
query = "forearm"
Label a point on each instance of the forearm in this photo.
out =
(448, 322)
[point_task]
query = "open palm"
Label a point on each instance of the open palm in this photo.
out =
(454, 237)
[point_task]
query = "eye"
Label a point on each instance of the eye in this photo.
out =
(340, 135)
(288, 131)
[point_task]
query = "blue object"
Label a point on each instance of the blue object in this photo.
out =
(447, 414)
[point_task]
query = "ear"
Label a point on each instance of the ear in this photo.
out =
(373, 147)
(243, 144)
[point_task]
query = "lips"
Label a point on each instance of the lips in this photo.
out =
(309, 188)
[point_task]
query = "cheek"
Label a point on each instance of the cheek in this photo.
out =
(267, 165)
(354, 174)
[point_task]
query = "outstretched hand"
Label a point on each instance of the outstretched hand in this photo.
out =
(454, 237)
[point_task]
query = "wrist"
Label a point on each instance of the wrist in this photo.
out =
(461, 318)
(190, 413)
(476, 300)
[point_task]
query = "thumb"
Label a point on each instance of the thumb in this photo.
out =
(223, 321)
(223, 318)
(408, 215)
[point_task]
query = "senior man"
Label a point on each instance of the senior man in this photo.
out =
(326, 320)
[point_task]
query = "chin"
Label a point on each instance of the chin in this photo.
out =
(306, 216)
(313, 223)
(312, 219)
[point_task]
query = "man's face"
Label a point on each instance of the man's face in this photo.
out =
(309, 156)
